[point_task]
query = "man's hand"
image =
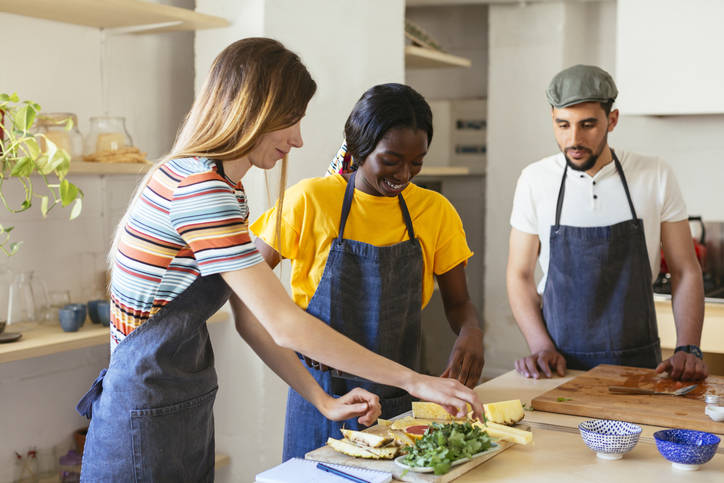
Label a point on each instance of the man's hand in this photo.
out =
(683, 366)
(357, 403)
(466, 358)
(541, 364)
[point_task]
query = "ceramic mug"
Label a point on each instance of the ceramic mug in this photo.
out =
(70, 319)
(93, 310)
(80, 308)
(103, 310)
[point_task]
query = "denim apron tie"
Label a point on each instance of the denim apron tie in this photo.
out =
(152, 409)
(373, 295)
(598, 301)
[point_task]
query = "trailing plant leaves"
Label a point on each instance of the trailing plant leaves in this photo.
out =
(25, 117)
(14, 247)
(44, 206)
(32, 147)
(23, 168)
(68, 192)
(77, 207)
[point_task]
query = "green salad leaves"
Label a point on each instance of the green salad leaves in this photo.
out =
(444, 444)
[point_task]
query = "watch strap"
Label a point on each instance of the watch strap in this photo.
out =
(691, 349)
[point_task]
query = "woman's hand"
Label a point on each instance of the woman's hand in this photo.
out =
(449, 393)
(466, 358)
(357, 403)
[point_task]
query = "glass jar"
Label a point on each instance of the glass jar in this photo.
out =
(106, 134)
(27, 302)
(6, 279)
(52, 126)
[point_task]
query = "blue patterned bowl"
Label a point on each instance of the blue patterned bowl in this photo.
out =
(608, 438)
(686, 448)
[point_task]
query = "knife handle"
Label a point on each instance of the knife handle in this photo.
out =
(629, 390)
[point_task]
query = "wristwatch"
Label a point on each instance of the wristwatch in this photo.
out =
(691, 349)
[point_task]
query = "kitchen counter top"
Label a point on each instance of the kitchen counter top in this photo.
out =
(712, 337)
(558, 453)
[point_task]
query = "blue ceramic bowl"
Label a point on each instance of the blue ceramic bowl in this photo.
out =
(610, 439)
(80, 308)
(70, 319)
(103, 309)
(93, 310)
(686, 448)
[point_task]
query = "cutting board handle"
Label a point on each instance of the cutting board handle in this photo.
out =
(628, 390)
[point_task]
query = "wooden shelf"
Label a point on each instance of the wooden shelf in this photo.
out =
(444, 171)
(422, 58)
(83, 167)
(50, 339)
(115, 14)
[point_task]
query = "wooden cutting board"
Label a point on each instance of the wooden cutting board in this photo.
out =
(588, 395)
(328, 455)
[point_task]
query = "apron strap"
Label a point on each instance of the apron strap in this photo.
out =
(619, 168)
(562, 190)
(347, 204)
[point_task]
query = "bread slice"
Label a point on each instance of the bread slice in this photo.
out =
(347, 447)
(366, 439)
(430, 410)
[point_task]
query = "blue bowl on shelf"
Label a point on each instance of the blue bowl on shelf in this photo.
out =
(71, 319)
(685, 448)
(610, 439)
(80, 309)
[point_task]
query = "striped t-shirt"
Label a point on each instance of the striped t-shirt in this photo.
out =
(189, 221)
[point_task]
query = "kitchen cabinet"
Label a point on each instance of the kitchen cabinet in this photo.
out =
(666, 64)
(115, 14)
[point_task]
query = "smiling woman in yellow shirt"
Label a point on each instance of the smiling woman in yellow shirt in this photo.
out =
(366, 246)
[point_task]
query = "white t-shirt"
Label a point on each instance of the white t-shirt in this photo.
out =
(597, 201)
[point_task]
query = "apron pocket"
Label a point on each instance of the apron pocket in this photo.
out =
(176, 442)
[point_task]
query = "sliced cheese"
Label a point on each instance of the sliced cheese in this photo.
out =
(403, 423)
(347, 447)
(366, 439)
(508, 433)
(504, 412)
(430, 410)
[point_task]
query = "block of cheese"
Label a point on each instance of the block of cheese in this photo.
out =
(430, 410)
(366, 439)
(504, 412)
(347, 447)
(508, 433)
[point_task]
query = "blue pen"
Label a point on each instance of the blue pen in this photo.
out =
(341, 473)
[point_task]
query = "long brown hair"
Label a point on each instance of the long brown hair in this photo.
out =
(255, 86)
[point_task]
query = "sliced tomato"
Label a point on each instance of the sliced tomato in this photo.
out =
(419, 429)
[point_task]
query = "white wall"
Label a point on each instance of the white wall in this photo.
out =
(150, 82)
(348, 46)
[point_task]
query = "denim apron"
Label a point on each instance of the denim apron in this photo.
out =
(152, 410)
(598, 302)
(373, 295)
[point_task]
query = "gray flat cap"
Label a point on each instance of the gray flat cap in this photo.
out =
(581, 83)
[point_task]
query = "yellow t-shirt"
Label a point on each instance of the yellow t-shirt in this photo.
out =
(310, 222)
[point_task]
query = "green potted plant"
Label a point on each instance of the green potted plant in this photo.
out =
(25, 154)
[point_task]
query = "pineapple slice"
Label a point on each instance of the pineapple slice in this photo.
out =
(430, 410)
(504, 412)
(347, 447)
(405, 422)
(507, 433)
(366, 439)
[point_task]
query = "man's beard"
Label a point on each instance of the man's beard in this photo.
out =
(590, 162)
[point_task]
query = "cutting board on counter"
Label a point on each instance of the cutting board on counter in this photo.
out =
(588, 395)
(326, 454)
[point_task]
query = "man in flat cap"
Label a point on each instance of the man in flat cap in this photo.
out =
(595, 220)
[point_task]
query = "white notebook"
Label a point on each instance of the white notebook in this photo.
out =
(298, 470)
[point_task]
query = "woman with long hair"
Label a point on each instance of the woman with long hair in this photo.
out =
(369, 271)
(181, 251)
